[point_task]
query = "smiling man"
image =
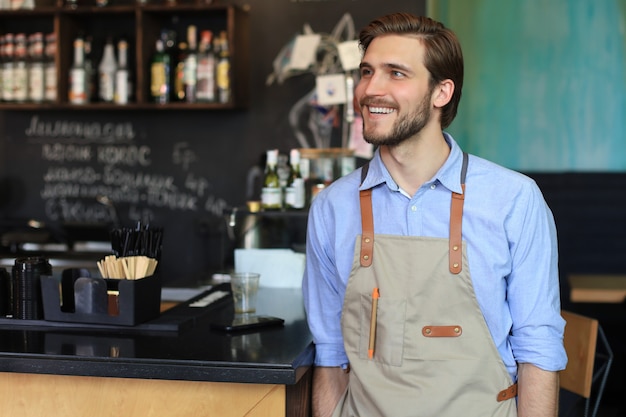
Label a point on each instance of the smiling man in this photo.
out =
(431, 283)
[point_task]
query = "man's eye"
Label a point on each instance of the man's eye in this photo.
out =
(365, 71)
(397, 74)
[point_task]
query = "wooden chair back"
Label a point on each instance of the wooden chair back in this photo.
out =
(580, 339)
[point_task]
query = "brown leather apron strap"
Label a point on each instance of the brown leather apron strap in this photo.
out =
(456, 240)
(367, 222)
(456, 221)
(507, 394)
(367, 226)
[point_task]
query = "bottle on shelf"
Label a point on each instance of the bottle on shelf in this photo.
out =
(191, 65)
(106, 73)
(223, 69)
(20, 69)
(179, 73)
(2, 48)
(90, 71)
(78, 74)
(205, 73)
(36, 69)
(50, 68)
(271, 193)
(7, 67)
(160, 81)
(169, 36)
(122, 74)
(294, 192)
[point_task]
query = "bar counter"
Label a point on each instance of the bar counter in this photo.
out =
(597, 288)
(197, 370)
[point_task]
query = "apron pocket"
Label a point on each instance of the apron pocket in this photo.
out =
(390, 322)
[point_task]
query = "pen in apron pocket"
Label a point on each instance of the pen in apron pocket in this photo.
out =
(375, 297)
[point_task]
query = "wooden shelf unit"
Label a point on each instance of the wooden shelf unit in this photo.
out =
(140, 24)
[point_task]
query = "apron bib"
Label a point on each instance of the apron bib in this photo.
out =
(433, 355)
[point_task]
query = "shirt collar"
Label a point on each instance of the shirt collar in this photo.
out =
(449, 175)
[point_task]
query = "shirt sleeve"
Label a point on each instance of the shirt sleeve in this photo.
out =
(533, 291)
(322, 288)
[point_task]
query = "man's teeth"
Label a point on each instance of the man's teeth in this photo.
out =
(383, 110)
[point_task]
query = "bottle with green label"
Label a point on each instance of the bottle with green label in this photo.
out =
(160, 81)
(222, 77)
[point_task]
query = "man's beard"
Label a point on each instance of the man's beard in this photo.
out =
(404, 127)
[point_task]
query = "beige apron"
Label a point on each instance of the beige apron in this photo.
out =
(433, 354)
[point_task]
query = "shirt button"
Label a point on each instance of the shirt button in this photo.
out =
(413, 208)
(433, 186)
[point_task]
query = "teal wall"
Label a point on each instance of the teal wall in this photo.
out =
(545, 82)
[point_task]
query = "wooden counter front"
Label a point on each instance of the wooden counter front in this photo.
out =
(32, 395)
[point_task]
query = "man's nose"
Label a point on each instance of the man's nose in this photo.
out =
(374, 86)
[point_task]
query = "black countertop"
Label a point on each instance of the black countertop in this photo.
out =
(271, 355)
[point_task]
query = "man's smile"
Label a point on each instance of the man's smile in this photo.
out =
(380, 110)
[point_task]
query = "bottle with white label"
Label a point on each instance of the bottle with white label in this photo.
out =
(106, 73)
(294, 192)
(122, 75)
(7, 68)
(20, 69)
(78, 74)
(205, 73)
(271, 193)
(50, 68)
(36, 68)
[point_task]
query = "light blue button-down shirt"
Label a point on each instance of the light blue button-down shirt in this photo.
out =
(511, 249)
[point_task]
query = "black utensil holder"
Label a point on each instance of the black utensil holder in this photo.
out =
(138, 301)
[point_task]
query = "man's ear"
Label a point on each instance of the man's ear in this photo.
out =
(443, 93)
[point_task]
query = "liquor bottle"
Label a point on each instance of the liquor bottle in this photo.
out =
(50, 68)
(223, 70)
(7, 68)
(191, 64)
(160, 81)
(169, 36)
(36, 73)
(78, 74)
(294, 192)
(271, 193)
(179, 73)
(2, 59)
(90, 71)
(20, 69)
(106, 73)
(122, 91)
(205, 73)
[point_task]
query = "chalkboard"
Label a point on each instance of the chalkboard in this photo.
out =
(76, 171)
(85, 164)
(180, 170)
